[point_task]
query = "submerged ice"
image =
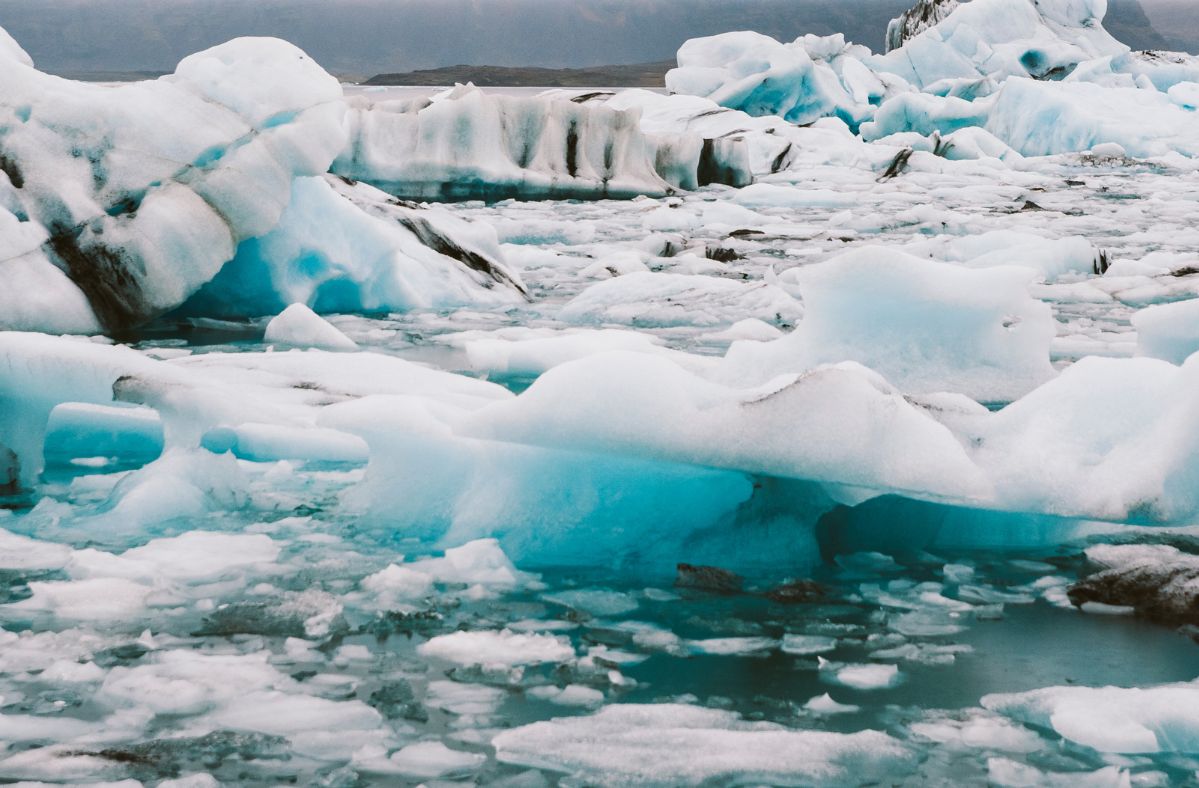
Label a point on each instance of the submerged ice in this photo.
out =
(802, 426)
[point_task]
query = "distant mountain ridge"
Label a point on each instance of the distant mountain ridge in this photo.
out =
(635, 75)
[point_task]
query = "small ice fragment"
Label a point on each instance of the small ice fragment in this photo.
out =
(1109, 150)
(804, 645)
(398, 582)
(859, 676)
(497, 649)
(299, 326)
(732, 646)
(958, 573)
(431, 759)
(824, 704)
(1101, 609)
(571, 695)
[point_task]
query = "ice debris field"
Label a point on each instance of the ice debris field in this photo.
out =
(831, 420)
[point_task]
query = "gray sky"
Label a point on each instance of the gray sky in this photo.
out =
(364, 37)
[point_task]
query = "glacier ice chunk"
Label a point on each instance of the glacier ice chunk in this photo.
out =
(1168, 331)
(801, 82)
(931, 326)
(299, 326)
(467, 144)
(498, 649)
(142, 191)
(1162, 718)
(348, 247)
(694, 746)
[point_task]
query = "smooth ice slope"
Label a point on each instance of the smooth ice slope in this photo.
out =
(1060, 450)
(1043, 118)
(650, 407)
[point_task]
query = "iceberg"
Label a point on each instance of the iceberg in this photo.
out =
(1043, 76)
(127, 199)
(1044, 118)
(800, 82)
(996, 39)
(466, 144)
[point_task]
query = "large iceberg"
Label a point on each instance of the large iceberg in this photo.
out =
(801, 82)
(122, 201)
(996, 39)
(945, 63)
(467, 144)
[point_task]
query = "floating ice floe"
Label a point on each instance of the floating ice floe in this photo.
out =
(432, 759)
(498, 649)
(1111, 719)
(860, 676)
(694, 746)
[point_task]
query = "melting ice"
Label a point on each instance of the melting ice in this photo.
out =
(830, 420)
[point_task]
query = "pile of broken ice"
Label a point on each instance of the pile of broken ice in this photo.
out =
(1041, 78)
